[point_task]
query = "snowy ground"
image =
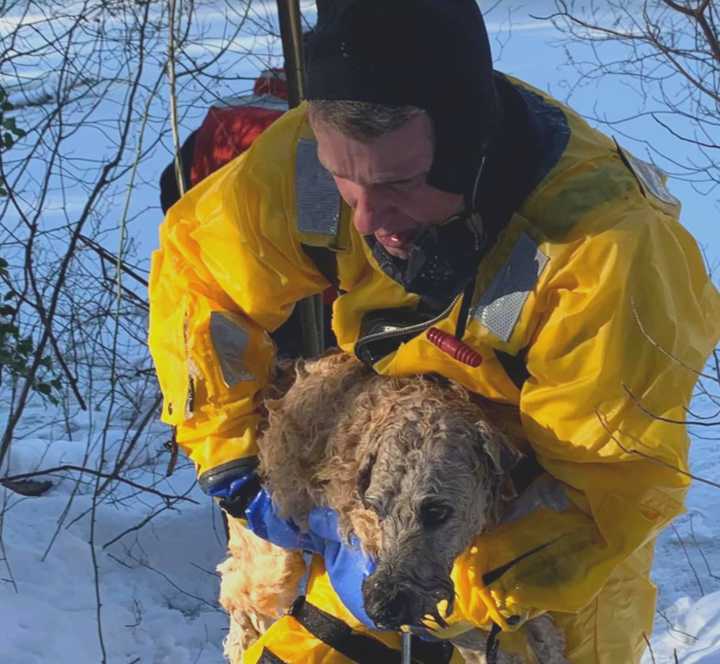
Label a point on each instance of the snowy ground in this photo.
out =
(157, 588)
(157, 585)
(687, 571)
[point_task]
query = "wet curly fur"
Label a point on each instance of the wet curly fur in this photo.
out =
(412, 465)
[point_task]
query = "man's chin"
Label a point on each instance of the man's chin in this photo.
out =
(397, 244)
(394, 247)
(398, 252)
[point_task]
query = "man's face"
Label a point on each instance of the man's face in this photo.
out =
(384, 181)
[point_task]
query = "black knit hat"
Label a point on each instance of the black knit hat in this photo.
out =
(433, 54)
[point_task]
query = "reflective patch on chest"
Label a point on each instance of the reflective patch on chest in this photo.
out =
(318, 201)
(651, 178)
(499, 307)
(230, 341)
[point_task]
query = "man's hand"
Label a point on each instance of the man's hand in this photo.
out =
(235, 494)
(346, 563)
(263, 520)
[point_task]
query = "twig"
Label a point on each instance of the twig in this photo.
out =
(98, 473)
(118, 561)
(3, 551)
(650, 648)
(137, 526)
(669, 420)
(142, 563)
(674, 629)
(646, 334)
(660, 462)
(215, 575)
(700, 550)
(120, 463)
(108, 256)
(687, 557)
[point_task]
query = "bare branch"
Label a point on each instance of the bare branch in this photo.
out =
(96, 473)
(603, 421)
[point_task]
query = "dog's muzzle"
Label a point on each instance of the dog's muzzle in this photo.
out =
(392, 605)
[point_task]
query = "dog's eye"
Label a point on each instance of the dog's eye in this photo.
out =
(434, 514)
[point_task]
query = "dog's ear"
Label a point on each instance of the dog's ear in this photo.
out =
(365, 476)
(496, 446)
(502, 457)
(282, 377)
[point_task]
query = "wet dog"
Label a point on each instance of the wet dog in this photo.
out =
(415, 468)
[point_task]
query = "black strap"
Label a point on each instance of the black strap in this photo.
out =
(382, 331)
(525, 472)
(515, 367)
(494, 574)
(492, 646)
(360, 648)
(465, 309)
(225, 473)
(338, 635)
(431, 651)
(325, 261)
(269, 658)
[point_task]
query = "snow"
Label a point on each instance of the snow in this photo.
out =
(157, 586)
(687, 571)
(158, 589)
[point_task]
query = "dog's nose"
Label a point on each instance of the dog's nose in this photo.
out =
(392, 608)
(399, 609)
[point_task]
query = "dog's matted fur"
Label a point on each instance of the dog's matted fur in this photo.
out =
(414, 468)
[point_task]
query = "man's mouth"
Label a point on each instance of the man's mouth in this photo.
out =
(400, 241)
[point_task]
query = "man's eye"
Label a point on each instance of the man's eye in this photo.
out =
(435, 514)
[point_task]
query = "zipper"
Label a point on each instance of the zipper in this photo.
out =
(410, 329)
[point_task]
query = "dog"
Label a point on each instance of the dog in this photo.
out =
(415, 467)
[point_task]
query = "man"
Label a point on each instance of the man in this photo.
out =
(479, 206)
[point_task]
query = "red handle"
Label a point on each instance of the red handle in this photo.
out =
(454, 347)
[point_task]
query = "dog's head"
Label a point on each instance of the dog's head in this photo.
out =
(412, 465)
(434, 480)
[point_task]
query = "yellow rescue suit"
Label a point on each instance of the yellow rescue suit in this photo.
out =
(594, 284)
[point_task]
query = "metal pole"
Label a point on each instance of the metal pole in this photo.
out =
(182, 184)
(311, 308)
(291, 34)
(406, 648)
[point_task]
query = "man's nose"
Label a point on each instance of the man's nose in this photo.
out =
(369, 211)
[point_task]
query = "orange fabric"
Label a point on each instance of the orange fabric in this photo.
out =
(272, 82)
(224, 134)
